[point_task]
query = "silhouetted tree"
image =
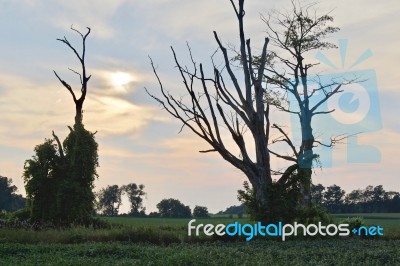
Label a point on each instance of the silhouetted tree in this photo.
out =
(109, 200)
(333, 197)
(59, 177)
(173, 208)
(217, 107)
(293, 35)
(9, 200)
(317, 193)
(368, 200)
(200, 212)
(135, 195)
(82, 76)
(354, 197)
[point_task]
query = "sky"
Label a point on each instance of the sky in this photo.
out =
(138, 141)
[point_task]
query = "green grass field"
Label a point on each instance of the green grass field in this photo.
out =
(321, 252)
(156, 241)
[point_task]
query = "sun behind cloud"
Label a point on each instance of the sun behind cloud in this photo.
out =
(120, 79)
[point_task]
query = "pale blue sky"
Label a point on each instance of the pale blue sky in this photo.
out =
(139, 142)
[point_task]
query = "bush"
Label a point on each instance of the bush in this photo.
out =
(313, 215)
(284, 205)
(3, 214)
(21, 215)
(354, 222)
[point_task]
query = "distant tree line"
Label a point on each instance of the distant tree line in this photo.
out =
(368, 200)
(109, 201)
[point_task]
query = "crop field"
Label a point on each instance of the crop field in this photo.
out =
(157, 241)
(320, 252)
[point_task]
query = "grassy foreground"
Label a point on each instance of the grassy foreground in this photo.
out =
(156, 241)
(321, 252)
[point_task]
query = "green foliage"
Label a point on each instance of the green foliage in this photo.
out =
(352, 252)
(317, 193)
(109, 200)
(333, 195)
(283, 203)
(173, 208)
(9, 200)
(59, 182)
(200, 212)
(81, 155)
(41, 176)
(234, 210)
(313, 215)
(135, 195)
(354, 222)
(21, 215)
(306, 33)
(368, 200)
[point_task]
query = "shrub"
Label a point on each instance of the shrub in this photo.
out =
(354, 222)
(21, 215)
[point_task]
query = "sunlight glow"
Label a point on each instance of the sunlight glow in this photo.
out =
(119, 79)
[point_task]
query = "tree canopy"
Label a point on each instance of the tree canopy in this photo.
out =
(370, 199)
(109, 200)
(200, 212)
(173, 208)
(9, 200)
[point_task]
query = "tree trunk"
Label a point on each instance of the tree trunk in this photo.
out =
(78, 113)
(306, 157)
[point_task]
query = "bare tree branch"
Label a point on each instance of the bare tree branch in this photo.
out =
(60, 147)
(82, 76)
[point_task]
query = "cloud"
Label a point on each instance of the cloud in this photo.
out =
(30, 110)
(93, 13)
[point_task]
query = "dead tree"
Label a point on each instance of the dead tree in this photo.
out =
(215, 106)
(82, 76)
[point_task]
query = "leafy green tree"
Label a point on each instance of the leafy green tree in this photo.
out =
(135, 195)
(76, 194)
(9, 200)
(173, 208)
(200, 212)
(42, 174)
(109, 200)
(354, 197)
(378, 194)
(317, 193)
(333, 198)
(59, 179)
